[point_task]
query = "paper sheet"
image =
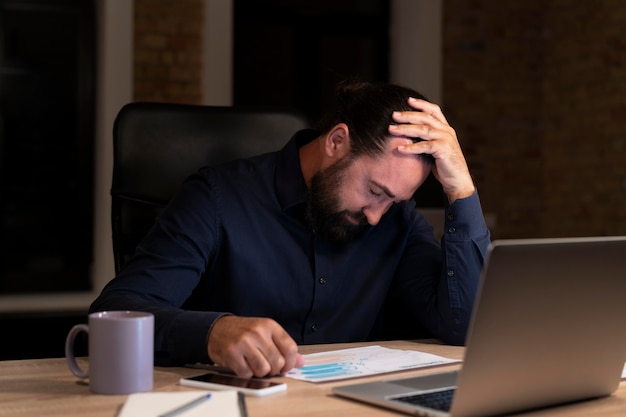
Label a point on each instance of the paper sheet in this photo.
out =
(356, 362)
(153, 404)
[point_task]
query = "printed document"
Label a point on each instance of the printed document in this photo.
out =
(357, 362)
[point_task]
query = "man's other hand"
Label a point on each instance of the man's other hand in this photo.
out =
(253, 346)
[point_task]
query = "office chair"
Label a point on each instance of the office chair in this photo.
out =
(157, 145)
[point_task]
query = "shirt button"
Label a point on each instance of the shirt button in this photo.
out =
(450, 216)
(452, 229)
(450, 273)
(322, 280)
(314, 327)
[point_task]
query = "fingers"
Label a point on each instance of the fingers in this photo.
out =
(299, 361)
(439, 140)
(252, 346)
(428, 123)
(288, 350)
(428, 108)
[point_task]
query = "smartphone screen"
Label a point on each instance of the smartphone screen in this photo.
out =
(249, 386)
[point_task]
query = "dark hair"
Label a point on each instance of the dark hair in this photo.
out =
(366, 109)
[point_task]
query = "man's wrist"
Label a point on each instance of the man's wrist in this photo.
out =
(459, 194)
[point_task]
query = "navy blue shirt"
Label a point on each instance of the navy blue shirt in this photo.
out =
(235, 241)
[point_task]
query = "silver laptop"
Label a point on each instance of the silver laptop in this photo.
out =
(548, 327)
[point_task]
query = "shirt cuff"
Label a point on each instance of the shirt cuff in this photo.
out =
(188, 336)
(464, 219)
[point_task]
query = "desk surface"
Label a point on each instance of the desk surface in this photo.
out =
(46, 387)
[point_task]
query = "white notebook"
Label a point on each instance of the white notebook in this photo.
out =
(154, 404)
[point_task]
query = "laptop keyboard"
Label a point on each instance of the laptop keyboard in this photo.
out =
(438, 400)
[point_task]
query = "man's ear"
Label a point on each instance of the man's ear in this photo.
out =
(337, 144)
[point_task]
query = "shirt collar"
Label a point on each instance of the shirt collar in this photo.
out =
(291, 188)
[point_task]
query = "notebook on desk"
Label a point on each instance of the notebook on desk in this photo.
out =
(548, 327)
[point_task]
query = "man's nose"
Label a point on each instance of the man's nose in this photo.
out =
(373, 214)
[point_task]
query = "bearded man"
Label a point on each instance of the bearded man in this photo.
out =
(307, 244)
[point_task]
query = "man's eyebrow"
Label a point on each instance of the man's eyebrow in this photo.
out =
(385, 189)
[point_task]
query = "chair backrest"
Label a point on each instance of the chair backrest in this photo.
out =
(157, 145)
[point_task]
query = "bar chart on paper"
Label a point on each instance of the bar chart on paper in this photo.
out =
(355, 362)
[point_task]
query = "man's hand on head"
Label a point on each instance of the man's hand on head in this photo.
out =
(439, 140)
(253, 346)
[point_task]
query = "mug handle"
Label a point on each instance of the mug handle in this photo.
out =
(69, 350)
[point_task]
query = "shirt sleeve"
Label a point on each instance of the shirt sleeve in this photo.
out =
(464, 244)
(439, 286)
(168, 265)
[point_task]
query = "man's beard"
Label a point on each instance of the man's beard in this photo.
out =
(323, 206)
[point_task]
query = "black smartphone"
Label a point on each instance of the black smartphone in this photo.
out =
(249, 386)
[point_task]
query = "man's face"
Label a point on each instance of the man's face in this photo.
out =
(352, 193)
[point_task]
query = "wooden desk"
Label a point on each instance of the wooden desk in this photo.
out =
(41, 387)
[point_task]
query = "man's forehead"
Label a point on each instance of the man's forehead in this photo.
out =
(401, 174)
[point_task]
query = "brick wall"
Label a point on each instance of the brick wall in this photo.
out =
(584, 109)
(536, 92)
(168, 50)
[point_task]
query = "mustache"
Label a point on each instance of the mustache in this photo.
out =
(356, 215)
